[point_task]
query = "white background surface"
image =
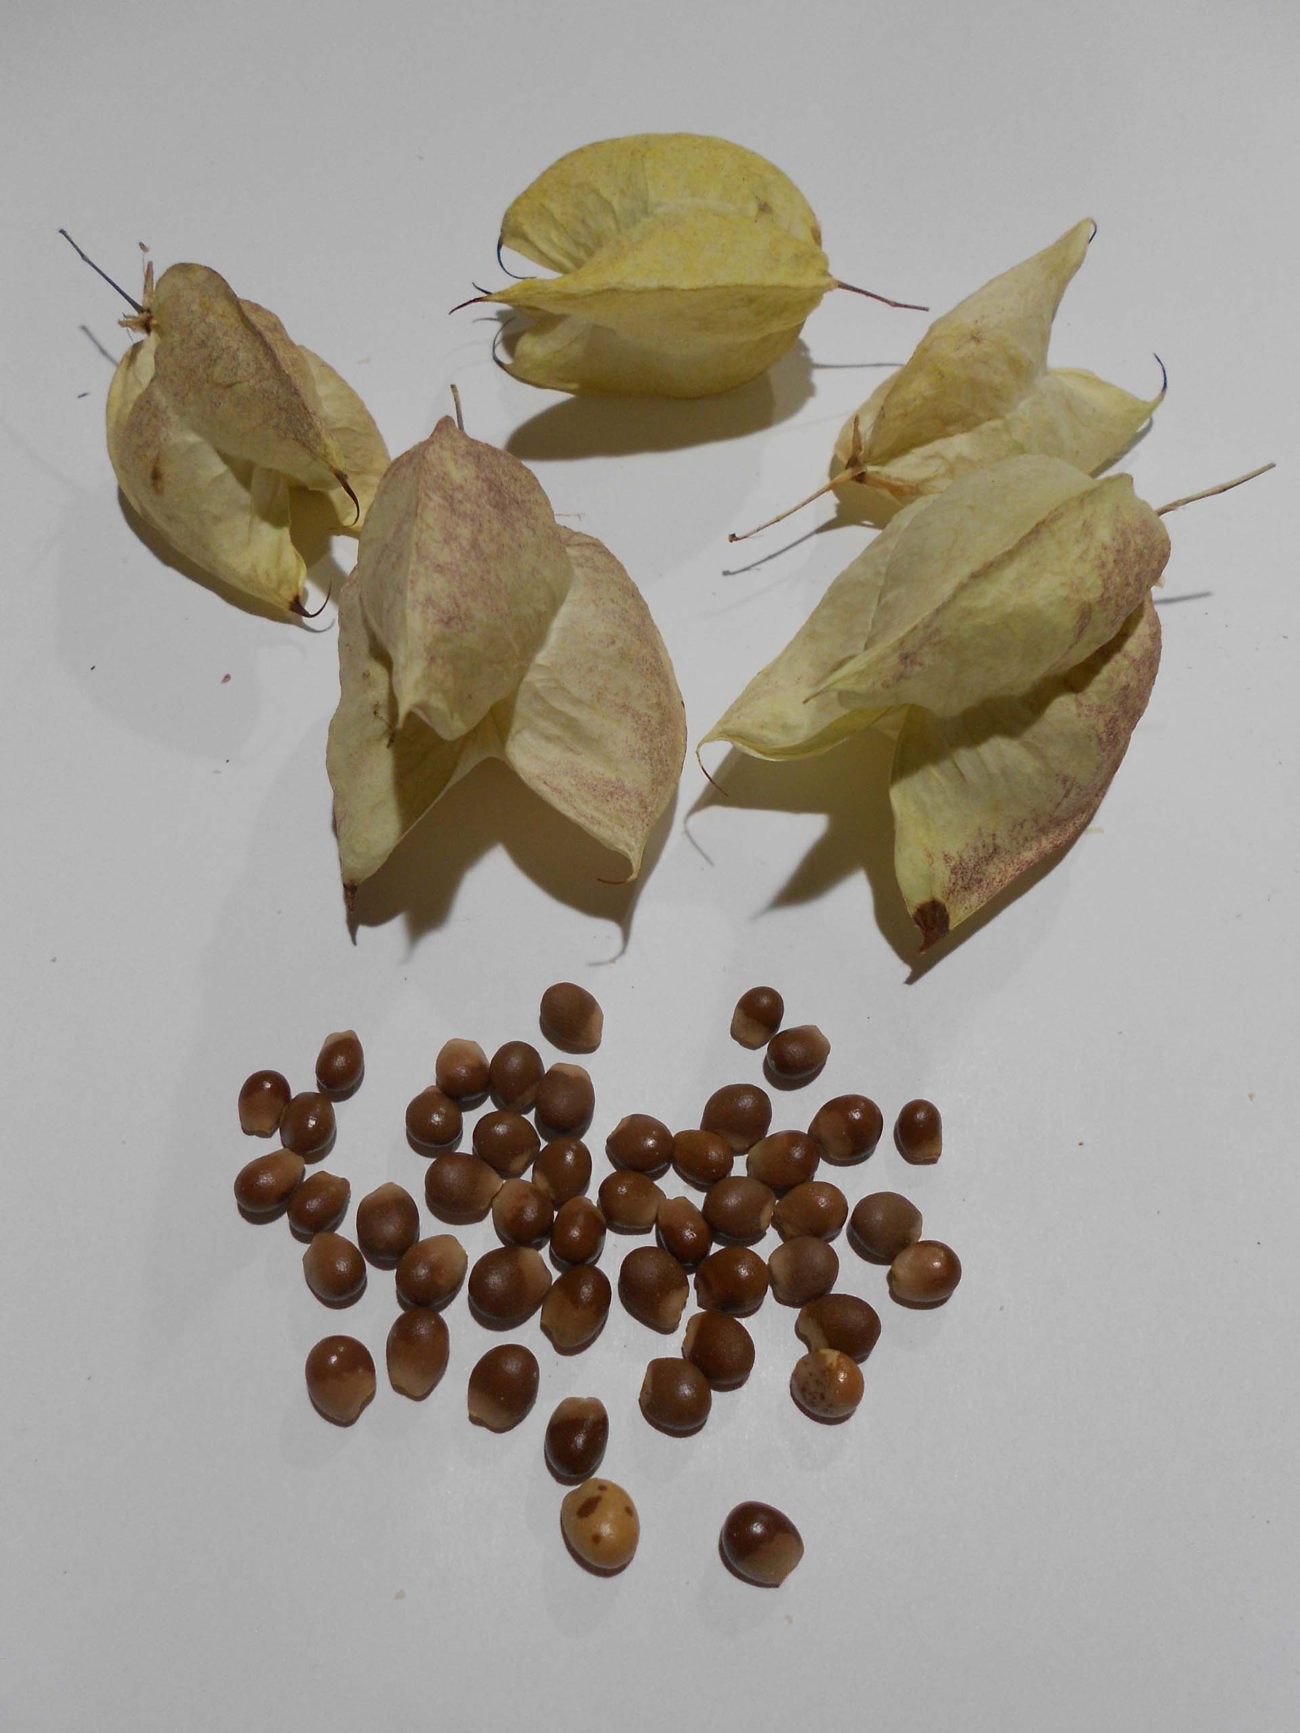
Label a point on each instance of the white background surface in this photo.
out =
(1069, 1500)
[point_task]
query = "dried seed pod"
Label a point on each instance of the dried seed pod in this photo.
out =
(721, 1347)
(522, 1213)
(741, 1113)
(319, 1205)
(847, 1128)
(576, 1436)
(264, 1185)
(578, 1233)
(570, 1018)
(675, 1396)
(563, 1169)
(600, 1525)
(826, 1384)
(340, 1378)
(702, 1157)
(514, 1074)
(925, 1273)
(461, 1070)
(307, 1125)
(388, 1221)
(641, 1143)
(575, 1308)
(507, 1285)
(653, 1288)
(459, 1188)
(783, 1159)
(733, 1280)
(340, 1065)
(840, 1321)
(416, 1353)
(433, 1121)
(757, 1016)
(683, 1232)
(629, 1201)
(817, 1207)
(760, 1544)
(503, 1386)
(801, 1269)
(566, 1100)
(430, 1272)
(739, 1208)
(506, 1141)
(795, 1056)
(918, 1133)
(334, 1269)
(883, 1223)
(262, 1101)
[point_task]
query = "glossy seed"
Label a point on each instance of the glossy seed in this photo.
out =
(307, 1125)
(817, 1207)
(741, 1113)
(826, 1384)
(783, 1159)
(675, 1396)
(841, 1321)
(576, 1436)
(641, 1143)
(262, 1101)
(653, 1287)
(430, 1272)
(319, 1204)
(702, 1157)
(522, 1213)
(340, 1065)
(761, 1544)
(732, 1280)
(757, 1016)
(340, 1378)
(570, 1018)
(883, 1223)
(683, 1232)
(629, 1201)
(334, 1269)
(506, 1141)
(416, 1353)
(507, 1285)
(924, 1274)
(918, 1133)
(578, 1233)
(514, 1074)
(503, 1387)
(575, 1308)
(388, 1221)
(802, 1269)
(459, 1188)
(461, 1070)
(566, 1100)
(847, 1128)
(433, 1121)
(739, 1208)
(796, 1056)
(563, 1169)
(265, 1185)
(721, 1347)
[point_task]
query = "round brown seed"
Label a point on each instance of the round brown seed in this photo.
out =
(319, 1205)
(641, 1143)
(683, 1232)
(757, 1016)
(733, 1280)
(340, 1378)
(817, 1207)
(514, 1074)
(883, 1223)
(566, 1100)
(599, 1523)
(783, 1159)
(461, 1070)
(576, 1436)
(506, 1141)
(761, 1544)
(826, 1384)
(702, 1157)
(416, 1353)
(503, 1386)
(848, 1128)
(578, 1234)
(459, 1188)
(801, 1269)
(675, 1396)
(653, 1288)
(388, 1221)
(740, 1113)
(629, 1201)
(433, 1121)
(307, 1125)
(263, 1098)
(334, 1269)
(264, 1185)
(924, 1274)
(721, 1347)
(430, 1272)
(522, 1213)
(796, 1056)
(918, 1133)
(340, 1065)
(575, 1308)
(563, 1169)
(841, 1321)
(739, 1208)
(571, 1018)
(508, 1285)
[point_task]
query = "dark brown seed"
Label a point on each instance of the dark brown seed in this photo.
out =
(702, 1157)
(757, 1016)
(264, 1185)
(783, 1159)
(761, 1544)
(848, 1128)
(307, 1125)
(817, 1207)
(319, 1204)
(506, 1141)
(461, 1070)
(653, 1288)
(840, 1321)
(334, 1269)
(503, 1386)
(629, 1201)
(600, 1526)
(796, 1056)
(575, 1308)
(801, 1269)
(507, 1285)
(430, 1272)
(340, 1378)
(733, 1280)
(741, 1113)
(826, 1384)
(571, 1018)
(340, 1065)
(576, 1436)
(566, 1100)
(522, 1213)
(416, 1353)
(641, 1143)
(459, 1188)
(262, 1101)
(433, 1121)
(918, 1133)
(388, 1221)
(578, 1234)
(739, 1208)
(514, 1074)
(675, 1396)
(563, 1169)
(924, 1274)
(882, 1224)
(683, 1232)
(721, 1347)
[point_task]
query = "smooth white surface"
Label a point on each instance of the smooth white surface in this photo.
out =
(1069, 1500)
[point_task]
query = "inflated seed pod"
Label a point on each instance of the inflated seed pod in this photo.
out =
(578, 1232)
(576, 1436)
(721, 1347)
(918, 1133)
(263, 1098)
(416, 1353)
(739, 1208)
(522, 1213)
(600, 1525)
(459, 1188)
(563, 1169)
(433, 1121)
(506, 1141)
(340, 1065)
(683, 1232)
(924, 1274)
(507, 1285)
(760, 1544)
(783, 1159)
(801, 1269)
(847, 1128)
(575, 1308)
(640, 1142)
(653, 1287)
(817, 1207)
(826, 1384)
(388, 1221)
(702, 1157)
(840, 1321)
(265, 1185)
(307, 1125)
(340, 1378)
(461, 1070)
(740, 1113)
(675, 1396)
(503, 1386)
(629, 1201)
(566, 1100)
(570, 1018)
(514, 1074)
(757, 1016)
(334, 1269)
(318, 1205)
(796, 1056)
(883, 1223)
(430, 1272)
(731, 1280)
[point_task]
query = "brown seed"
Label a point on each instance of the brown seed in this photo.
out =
(340, 1065)
(319, 1205)
(801, 1269)
(576, 1436)
(848, 1128)
(566, 1100)
(683, 1232)
(641, 1143)
(741, 1113)
(841, 1321)
(522, 1213)
(506, 1141)
(416, 1353)
(433, 1121)
(388, 1221)
(826, 1384)
(721, 1347)
(507, 1285)
(817, 1207)
(262, 1101)
(761, 1544)
(918, 1133)
(503, 1386)
(578, 1234)
(571, 1018)
(599, 1523)
(575, 1308)
(461, 1070)
(340, 1378)
(307, 1125)
(783, 1159)
(629, 1201)
(430, 1272)
(675, 1396)
(653, 1288)
(796, 1056)
(733, 1280)
(563, 1169)
(264, 1185)
(702, 1157)
(514, 1074)
(334, 1269)
(883, 1223)
(757, 1016)
(924, 1274)
(739, 1208)
(459, 1188)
